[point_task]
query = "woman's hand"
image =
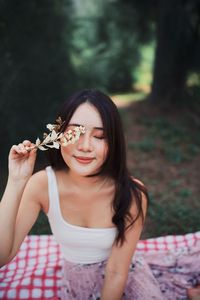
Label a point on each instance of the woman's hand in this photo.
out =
(21, 161)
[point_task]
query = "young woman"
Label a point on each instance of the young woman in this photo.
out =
(96, 209)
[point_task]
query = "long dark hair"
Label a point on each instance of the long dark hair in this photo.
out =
(127, 189)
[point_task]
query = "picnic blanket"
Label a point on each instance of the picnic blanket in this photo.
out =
(35, 272)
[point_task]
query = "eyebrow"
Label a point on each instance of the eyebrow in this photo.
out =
(75, 124)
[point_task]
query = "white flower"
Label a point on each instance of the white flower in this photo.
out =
(50, 126)
(55, 138)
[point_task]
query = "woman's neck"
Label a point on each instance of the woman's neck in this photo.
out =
(85, 182)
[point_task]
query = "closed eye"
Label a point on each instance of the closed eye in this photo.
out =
(99, 137)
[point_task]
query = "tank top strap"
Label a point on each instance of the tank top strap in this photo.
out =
(52, 191)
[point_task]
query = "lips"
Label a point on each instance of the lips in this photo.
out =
(84, 160)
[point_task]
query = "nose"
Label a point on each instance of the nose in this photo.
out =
(84, 143)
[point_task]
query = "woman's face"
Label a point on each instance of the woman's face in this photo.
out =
(86, 156)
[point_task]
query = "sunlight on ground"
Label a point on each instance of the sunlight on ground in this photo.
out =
(144, 72)
(143, 78)
(125, 99)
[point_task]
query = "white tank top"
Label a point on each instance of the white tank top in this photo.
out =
(78, 244)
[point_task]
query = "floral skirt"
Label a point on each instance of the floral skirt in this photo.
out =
(176, 271)
(84, 282)
(158, 276)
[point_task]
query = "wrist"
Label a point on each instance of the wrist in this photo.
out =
(17, 183)
(13, 191)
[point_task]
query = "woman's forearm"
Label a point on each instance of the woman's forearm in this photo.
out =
(113, 287)
(9, 206)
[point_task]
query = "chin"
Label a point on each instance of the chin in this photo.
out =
(85, 173)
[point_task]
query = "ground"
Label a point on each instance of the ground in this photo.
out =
(164, 152)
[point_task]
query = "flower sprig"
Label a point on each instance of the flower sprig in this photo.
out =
(55, 138)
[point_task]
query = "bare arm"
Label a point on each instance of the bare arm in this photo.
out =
(117, 268)
(21, 164)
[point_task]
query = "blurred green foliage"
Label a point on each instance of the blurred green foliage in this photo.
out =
(105, 50)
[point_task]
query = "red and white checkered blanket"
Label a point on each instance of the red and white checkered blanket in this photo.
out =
(35, 272)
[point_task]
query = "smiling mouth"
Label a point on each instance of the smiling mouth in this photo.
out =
(84, 160)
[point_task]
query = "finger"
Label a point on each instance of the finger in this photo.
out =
(22, 148)
(18, 149)
(13, 149)
(32, 148)
(27, 143)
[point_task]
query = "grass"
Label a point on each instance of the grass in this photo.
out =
(164, 152)
(41, 226)
(175, 141)
(176, 216)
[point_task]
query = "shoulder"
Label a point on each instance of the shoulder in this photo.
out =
(39, 179)
(37, 188)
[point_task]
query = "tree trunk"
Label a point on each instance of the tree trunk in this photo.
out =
(171, 57)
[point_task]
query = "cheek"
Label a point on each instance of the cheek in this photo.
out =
(67, 150)
(104, 150)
